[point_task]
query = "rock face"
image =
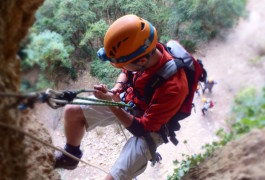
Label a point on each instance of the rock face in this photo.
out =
(21, 157)
(241, 159)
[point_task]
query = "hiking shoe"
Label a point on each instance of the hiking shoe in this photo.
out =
(65, 162)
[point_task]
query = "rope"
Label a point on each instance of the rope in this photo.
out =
(57, 99)
(109, 103)
(49, 145)
(18, 95)
(88, 90)
(123, 131)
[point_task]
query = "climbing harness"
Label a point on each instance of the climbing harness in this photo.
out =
(156, 157)
(56, 99)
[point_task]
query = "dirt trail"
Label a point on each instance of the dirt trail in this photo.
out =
(227, 60)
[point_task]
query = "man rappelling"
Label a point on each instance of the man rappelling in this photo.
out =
(131, 44)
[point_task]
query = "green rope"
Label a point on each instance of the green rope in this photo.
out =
(54, 100)
(87, 90)
(102, 102)
(90, 103)
(84, 90)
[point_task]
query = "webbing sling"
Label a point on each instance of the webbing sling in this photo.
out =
(152, 147)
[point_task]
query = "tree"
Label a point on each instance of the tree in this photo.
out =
(48, 51)
(94, 34)
(82, 24)
(72, 19)
(202, 19)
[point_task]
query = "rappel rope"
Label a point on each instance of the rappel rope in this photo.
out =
(49, 145)
(57, 99)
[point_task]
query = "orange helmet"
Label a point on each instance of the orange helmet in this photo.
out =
(127, 39)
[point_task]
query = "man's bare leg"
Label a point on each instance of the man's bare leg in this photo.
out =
(74, 124)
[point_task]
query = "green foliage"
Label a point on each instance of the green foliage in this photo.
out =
(43, 83)
(248, 112)
(189, 45)
(202, 20)
(47, 51)
(105, 72)
(44, 17)
(26, 86)
(95, 30)
(69, 18)
(243, 106)
(82, 25)
(72, 18)
(156, 12)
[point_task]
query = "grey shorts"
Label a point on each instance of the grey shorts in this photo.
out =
(134, 156)
(97, 116)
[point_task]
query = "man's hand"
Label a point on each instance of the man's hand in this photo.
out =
(101, 92)
(116, 90)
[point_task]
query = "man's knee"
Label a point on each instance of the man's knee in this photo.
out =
(73, 113)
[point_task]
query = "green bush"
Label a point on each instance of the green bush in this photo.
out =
(48, 51)
(248, 111)
(106, 73)
(76, 28)
(95, 30)
(202, 20)
(189, 45)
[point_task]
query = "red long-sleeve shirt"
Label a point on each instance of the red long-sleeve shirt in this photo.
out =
(166, 100)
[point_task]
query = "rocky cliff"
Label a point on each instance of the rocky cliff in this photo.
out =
(21, 157)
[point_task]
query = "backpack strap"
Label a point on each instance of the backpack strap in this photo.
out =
(203, 76)
(130, 78)
(164, 73)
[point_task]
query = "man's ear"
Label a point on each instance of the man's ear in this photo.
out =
(142, 61)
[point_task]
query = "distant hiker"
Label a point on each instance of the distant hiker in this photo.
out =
(209, 85)
(131, 44)
(207, 103)
(198, 89)
(193, 107)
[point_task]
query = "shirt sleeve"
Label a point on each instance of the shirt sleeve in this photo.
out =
(136, 128)
(166, 102)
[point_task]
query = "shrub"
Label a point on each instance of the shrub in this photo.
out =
(202, 20)
(105, 72)
(48, 51)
